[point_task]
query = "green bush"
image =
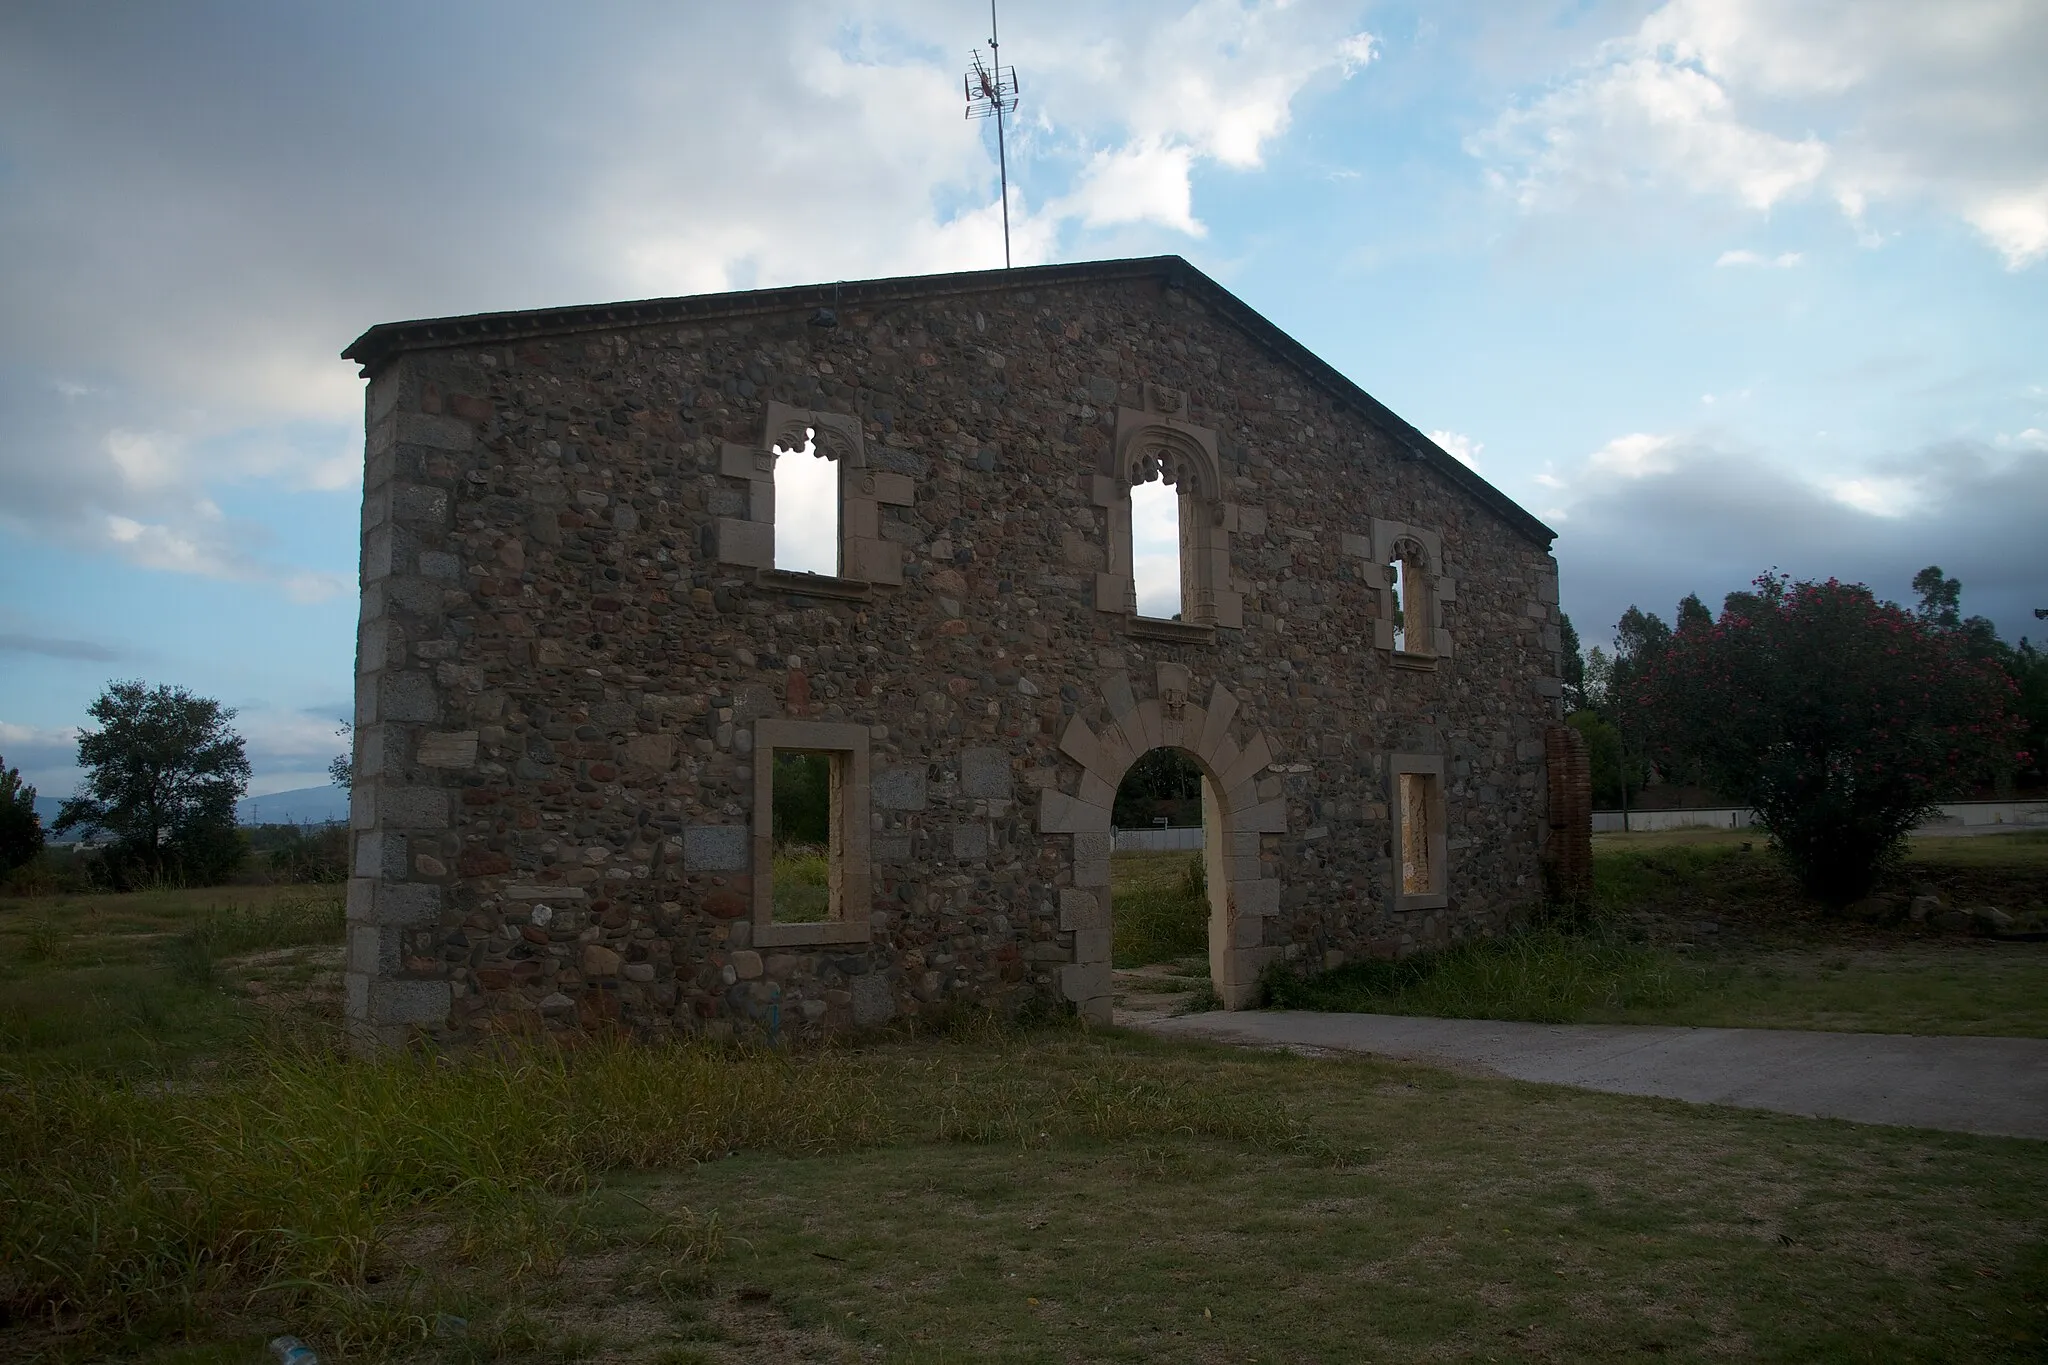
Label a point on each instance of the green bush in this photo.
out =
(1547, 975)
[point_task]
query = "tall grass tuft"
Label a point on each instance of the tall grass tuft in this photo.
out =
(1161, 911)
(130, 1206)
(1548, 975)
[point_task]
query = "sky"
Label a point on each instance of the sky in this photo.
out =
(1712, 288)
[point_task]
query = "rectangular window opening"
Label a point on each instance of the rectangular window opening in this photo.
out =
(1156, 549)
(1417, 803)
(807, 875)
(806, 511)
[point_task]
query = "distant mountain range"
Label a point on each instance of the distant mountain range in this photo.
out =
(305, 805)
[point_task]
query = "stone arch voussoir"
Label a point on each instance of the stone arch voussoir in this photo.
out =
(1247, 899)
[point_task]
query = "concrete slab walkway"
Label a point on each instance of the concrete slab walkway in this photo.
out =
(1967, 1085)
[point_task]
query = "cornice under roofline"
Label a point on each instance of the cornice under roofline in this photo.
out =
(376, 348)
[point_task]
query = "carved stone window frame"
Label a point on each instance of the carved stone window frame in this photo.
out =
(848, 746)
(864, 555)
(1438, 590)
(1435, 831)
(1158, 441)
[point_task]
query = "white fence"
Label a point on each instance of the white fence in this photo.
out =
(1158, 840)
(1955, 817)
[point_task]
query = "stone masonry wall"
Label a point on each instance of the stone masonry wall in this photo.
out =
(559, 679)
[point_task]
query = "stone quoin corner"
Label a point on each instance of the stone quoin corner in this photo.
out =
(581, 673)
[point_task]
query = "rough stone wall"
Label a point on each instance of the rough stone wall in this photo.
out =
(559, 679)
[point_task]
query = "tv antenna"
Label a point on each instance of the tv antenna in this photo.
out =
(992, 93)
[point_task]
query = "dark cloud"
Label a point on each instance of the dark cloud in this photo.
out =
(1713, 520)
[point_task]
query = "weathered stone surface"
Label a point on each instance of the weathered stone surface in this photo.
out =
(900, 788)
(985, 773)
(567, 645)
(715, 848)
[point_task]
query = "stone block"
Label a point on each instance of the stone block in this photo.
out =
(419, 504)
(1257, 898)
(651, 751)
(359, 905)
(985, 774)
(447, 749)
(1080, 909)
(716, 848)
(409, 1002)
(408, 697)
(899, 788)
(1059, 813)
(412, 807)
(1082, 981)
(411, 904)
(1268, 817)
(1091, 858)
(873, 1003)
(433, 431)
(750, 543)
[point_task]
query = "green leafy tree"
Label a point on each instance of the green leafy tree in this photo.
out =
(802, 797)
(162, 775)
(1159, 776)
(21, 829)
(1574, 664)
(1840, 719)
(341, 769)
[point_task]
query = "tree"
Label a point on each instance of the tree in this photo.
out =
(341, 769)
(21, 829)
(162, 775)
(1840, 719)
(1574, 665)
(1159, 775)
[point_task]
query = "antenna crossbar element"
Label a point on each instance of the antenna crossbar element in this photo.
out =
(991, 90)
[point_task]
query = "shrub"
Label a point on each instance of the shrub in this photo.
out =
(1840, 719)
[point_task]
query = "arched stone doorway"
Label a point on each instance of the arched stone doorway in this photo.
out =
(1242, 900)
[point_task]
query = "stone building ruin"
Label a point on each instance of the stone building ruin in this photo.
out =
(578, 661)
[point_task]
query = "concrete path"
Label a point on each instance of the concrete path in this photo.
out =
(1967, 1085)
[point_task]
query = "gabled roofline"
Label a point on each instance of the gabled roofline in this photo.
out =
(377, 347)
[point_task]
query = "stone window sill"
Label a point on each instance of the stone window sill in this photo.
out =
(815, 584)
(1180, 632)
(804, 935)
(1421, 663)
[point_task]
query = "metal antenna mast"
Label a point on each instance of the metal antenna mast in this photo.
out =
(992, 91)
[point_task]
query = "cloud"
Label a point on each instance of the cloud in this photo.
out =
(1784, 260)
(53, 647)
(1867, 102)
(1699, 517)
(47, 757)
(203, 207)
(1463, 448)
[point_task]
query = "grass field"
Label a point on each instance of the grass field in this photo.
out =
(183, 1179)
(1693, 928)
(1159, 908)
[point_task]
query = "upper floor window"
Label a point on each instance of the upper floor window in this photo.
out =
(809, 502)
(1161, 486)
(1156, 549)
(806, 517)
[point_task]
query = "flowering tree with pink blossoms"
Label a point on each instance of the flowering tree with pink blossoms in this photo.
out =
(1841, 719)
